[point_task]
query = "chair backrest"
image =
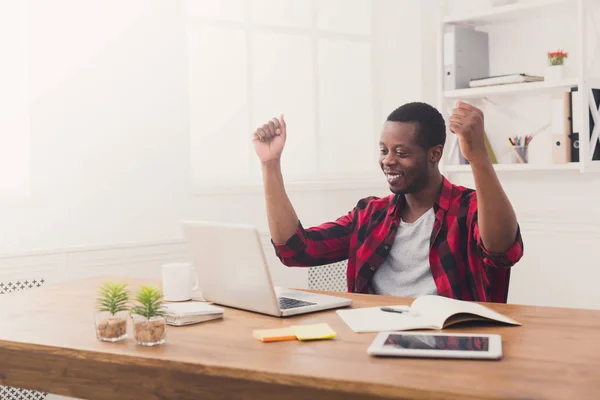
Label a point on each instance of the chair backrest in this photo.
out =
(8, 392)
(11, 393)
(330, 277)
(17, 285)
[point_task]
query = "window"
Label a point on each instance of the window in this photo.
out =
(14, 106)
(251, 60)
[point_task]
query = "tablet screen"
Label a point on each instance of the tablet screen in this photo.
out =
(435, 342)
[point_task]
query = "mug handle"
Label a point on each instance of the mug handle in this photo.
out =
(196, 279)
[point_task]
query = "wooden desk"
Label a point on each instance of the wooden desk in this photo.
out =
(48, 343)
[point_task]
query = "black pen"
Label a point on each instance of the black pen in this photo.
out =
(390, 309)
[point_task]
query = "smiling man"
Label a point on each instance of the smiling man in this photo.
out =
(428, 236)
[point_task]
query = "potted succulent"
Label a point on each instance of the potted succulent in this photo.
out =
(112, 309)
(148, 315)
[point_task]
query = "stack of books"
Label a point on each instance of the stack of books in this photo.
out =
(191, 312)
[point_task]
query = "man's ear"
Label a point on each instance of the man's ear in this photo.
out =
(435, 154)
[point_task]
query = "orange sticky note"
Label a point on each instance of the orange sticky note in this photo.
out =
(274, 335)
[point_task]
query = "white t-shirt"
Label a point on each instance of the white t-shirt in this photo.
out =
(406, 270)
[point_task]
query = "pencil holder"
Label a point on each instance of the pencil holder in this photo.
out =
(519, 154)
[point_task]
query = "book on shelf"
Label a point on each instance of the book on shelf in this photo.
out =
(504, 80)
(561, 128)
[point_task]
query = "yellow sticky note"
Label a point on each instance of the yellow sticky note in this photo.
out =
(313, 332)
(274, 335)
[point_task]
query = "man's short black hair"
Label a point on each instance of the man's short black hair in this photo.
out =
(431, 125)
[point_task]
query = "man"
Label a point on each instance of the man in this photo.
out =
(427, 237)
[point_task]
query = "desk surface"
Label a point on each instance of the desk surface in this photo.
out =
(48, 343)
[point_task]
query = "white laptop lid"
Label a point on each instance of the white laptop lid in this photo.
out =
(231, 266)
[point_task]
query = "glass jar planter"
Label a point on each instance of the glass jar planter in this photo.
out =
(111, 327)
(149, 332)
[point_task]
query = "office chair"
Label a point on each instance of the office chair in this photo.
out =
(329, 277)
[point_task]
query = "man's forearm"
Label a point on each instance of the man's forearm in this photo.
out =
(496, 216)
(281, 215)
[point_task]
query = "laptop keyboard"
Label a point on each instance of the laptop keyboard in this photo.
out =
(285, 303)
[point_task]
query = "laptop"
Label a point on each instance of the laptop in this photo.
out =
(233, 271)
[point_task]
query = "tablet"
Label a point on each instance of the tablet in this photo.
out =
(437, 345)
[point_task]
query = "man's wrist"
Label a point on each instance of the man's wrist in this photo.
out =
(480, 161)
(271, 165)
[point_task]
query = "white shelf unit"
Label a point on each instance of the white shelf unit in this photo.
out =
(585, 80)
(511, 89)
(509, 12)
(518, 167)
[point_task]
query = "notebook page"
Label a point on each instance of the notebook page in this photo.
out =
(440, 308)
(372, 319)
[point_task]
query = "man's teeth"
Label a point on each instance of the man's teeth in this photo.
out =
(392, 177)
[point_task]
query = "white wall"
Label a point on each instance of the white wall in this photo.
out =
(108, 125)
(110, 131)
(14, 118)
(328, 65)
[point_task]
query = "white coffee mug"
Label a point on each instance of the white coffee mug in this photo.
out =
(179, 280)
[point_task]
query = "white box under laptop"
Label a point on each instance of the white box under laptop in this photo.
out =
(233, 271)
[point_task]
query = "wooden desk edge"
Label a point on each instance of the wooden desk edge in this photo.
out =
(54, 365)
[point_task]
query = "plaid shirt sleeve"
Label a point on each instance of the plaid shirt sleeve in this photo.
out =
(319, 245)
(496, 260)
(322, 244)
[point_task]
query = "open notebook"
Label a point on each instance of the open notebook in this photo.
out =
(425, 312)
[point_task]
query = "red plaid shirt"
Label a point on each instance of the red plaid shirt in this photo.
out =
(461, 266)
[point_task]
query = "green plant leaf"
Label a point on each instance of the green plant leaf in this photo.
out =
(113, 297)
(149, 302)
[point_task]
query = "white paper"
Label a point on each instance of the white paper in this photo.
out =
(372, 319)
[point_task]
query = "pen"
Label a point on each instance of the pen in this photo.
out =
(390, 309)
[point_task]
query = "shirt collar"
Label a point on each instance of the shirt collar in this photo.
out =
(445, 194)
(442, 200)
